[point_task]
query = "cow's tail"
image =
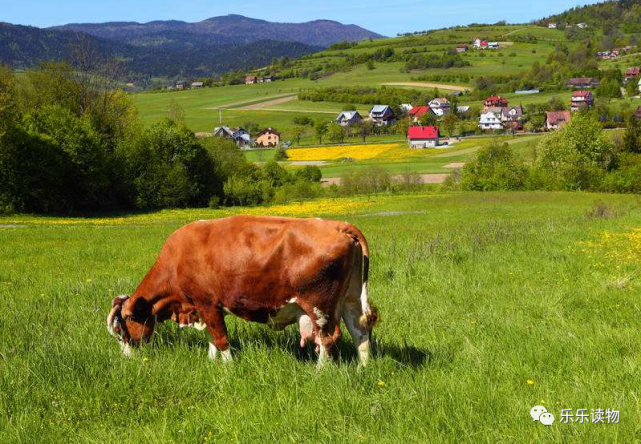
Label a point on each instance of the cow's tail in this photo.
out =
(370, 312)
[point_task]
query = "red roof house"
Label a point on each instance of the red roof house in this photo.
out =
(580, 100)
(494, 101)
(423, 136)
(419, 111)
(557, 119)
(632, 73)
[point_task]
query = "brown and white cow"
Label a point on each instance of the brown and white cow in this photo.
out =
(275, 271)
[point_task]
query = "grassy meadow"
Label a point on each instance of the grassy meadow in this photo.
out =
(491, 304)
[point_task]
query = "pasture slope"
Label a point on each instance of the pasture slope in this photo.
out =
(491, 304)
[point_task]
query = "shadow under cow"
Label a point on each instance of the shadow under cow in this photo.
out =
(287, 341)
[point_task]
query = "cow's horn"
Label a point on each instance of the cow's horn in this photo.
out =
(112, 320)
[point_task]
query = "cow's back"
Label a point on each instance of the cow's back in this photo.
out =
(253, 264)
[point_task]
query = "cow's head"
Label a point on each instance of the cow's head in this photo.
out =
(131, 321)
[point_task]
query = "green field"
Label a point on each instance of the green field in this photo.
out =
(490, 303)
(201, 106)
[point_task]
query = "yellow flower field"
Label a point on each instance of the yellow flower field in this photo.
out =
(333, 207)
(389, 151)
(622, 248)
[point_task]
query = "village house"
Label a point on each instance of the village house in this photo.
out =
(423, 136)
(555, 120)
(381, 115)
(461, 48)
(268, 137)
(491, 119)
(480, 44)
(582, 25)
(419, 111)
(250, 80)
(240, 136)
(493, 45)
(180, 86)
(493, 102)
(196, 85)
(632, 74)
(511, 114)
(582, 83)
(349, 118)
(552, 25)
(440, 106)
(406, 107)
(581, 100)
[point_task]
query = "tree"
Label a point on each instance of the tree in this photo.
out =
(632, 138)
(298, 131)
(364, 129)
(632, 87)
(167, 167)
(336, 133)
(428, 119)
(576, 157)
(450, 122)
(321, 129)
(175, 113)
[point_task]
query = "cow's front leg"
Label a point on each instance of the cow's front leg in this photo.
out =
(218, 339)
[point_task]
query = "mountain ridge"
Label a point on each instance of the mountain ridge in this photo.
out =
(232, 28)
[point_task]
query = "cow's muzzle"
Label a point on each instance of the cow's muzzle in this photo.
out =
(116, 324)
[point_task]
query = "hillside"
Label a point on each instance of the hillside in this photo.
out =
(620, 15)
(23, 47)
(224, 30)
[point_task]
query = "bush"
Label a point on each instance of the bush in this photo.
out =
(310, 173)
(627, 178)
(575, 158)
(243, 191)
(496, 168)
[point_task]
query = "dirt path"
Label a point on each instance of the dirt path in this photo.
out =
(427, 178)
(252, 102)
(267, 104)
(429, 85)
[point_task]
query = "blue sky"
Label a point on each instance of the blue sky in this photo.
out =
(386, 17)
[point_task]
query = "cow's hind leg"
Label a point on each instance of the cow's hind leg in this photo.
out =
(353, 315)
(325, 331)
(218, 339)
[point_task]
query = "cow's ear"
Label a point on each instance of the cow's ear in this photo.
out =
(137, 309)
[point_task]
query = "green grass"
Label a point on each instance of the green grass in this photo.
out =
(478, 293)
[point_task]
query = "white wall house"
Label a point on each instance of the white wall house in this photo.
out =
(491, 119)
(440, 106)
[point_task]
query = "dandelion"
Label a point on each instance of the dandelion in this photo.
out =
(530, 382)
(89, 281)
(381, 383)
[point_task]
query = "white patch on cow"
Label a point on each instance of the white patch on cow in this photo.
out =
(226, 311)
(357, 330)
(363, 353)
(318, 218)
(226, 355)
(126, 349)
(213, 352)
(292, 301)
(323, 357)
(186, 325)
(321, 318)
(200, 326)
